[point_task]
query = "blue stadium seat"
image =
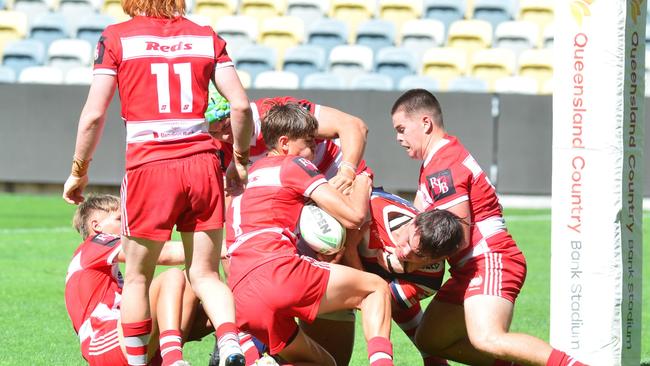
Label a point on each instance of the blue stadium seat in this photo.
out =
(23, 53)
(74, 11)
(90, 28)
(324, 80)
(396, 62)
(276, 80)
(447, 11)
(517, 35)
(495, 11)
(307, 10)
(328, 33)
(69, 53)
(376, 34)
(239, 31)
(7, 75)
(350, 60)
(468, 84)
(41, 75)
(33, 9)
(372, 82)
(418, 82)
(49, 27)
(418, 35)
(304, 60)
(254, 59)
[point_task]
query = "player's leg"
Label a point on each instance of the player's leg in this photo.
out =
(304, 351)
(335, 333)
(166, 301)
(141, 256)
(349, 288)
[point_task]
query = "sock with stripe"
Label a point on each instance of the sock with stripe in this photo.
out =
(408, 320)
(171, 347)
(227, 340)
(380, 352)
(248, 347)
(559, 358)
(136, 339)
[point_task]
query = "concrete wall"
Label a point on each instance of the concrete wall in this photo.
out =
(38, 127)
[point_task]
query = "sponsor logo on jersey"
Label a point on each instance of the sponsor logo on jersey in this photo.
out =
(441, 184)
(307, 166)
(108, 240)
(156, 46)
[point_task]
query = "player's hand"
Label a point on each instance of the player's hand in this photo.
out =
(388, 261)
(331, 258)
(343, 180)
(73, 189)
(362, 182)
(236, 178)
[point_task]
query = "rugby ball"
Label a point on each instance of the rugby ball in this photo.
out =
(322, 232)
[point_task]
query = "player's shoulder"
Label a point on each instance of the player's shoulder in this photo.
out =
(294, 163)
(107, 240)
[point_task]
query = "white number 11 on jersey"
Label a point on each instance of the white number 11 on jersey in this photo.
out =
(184, 72)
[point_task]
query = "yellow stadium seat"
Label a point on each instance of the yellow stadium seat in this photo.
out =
(444, 64)
(215, 9)
(538, 11)
(492, 64)
(400, 11)
(470, 35)
(352, 12)
(262, 9)
(537, 64)
(281, 33)
(13, 26)
(114, 9)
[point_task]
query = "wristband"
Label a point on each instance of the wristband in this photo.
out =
(79, 167)
(345, 164)
(241, 157)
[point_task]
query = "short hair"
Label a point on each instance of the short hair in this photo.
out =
(154, 8)
(289, 120)
(441, 233)
(419, 100)
(93, 203)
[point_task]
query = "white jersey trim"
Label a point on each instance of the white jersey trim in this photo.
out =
(104, 72)
(257, 124)
(453, 202)
(113, 255)
(313, 186)
(244, 238)
(434, 150)
(221, 65)
(164, 130)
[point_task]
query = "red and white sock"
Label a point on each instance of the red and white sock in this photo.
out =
(248, 347)
(136, 340)
(227, 340)
(380, 351)
(559, 358)
(171, 347)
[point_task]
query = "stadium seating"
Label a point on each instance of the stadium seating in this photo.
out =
(470, 35)
(281, 33)
(537, 64)
(353, 13)
(262, 9)
(7, 75)
(307, 10)
(75, 10)
(548, 36)
(516, 35)
(538, 11)
(400, 11)
(328, 33)
(114, 9)
(350, 60)
(65, 54)
(32, 9)
(447, 11)
(238, 31)
(304, 60)
(91, 27)
(23, 53)
(276, 80)
(41, 75)
(372, 82)
(396, 62)
(418, 82)
(444, 64)
(48, 28)
(516, 85)
(492, 64)
(495, 11)
(419, 35)
(376, 34)
(255, 58)
(245, 78)
(468, 84)
(82, 75)
(215, 9)
(324, 80)
(13, 26)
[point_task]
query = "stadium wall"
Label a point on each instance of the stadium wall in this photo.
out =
(39, 123)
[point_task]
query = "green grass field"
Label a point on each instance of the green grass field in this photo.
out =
(37, 243)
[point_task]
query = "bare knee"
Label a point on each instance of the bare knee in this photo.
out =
(174, 277)
(488, 342)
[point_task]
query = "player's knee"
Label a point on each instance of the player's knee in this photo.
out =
(174, 276)
(487, 342)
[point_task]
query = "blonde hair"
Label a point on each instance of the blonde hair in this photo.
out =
(154, 8)
(290, 120)
(97, 202)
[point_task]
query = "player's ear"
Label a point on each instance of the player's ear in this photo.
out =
(283, 144)
(95, 225)
(427, 123)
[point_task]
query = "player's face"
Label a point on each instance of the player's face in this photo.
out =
(408, 247)
(410, 133)
(110, 223)
(303, 147)
(222, 130)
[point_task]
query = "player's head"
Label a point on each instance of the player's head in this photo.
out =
(98, 213)
(289, 129)
(154, 8)
(416, 115)
(217, 114)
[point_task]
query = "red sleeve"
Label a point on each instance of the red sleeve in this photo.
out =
(220, 53)
(101, 252)
(301, 175)
(448, 185)
(108, 53)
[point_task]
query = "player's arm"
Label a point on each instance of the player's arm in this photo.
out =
(352, 132)
(463, 211)
(172, 254)
(89, 131)
(350, 209)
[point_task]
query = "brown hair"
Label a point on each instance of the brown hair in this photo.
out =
(417, 100)
(97, 202)
(441, 233)
(289, 120)
(154, 8)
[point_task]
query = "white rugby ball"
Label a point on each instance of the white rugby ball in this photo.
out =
(322, 232)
